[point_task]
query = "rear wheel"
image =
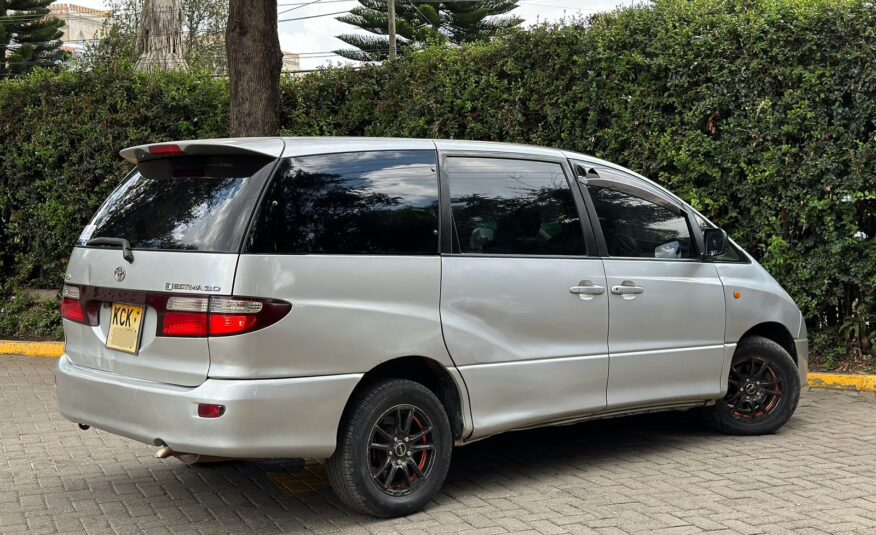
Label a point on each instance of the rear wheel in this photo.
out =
(393, 449)
(762, 393)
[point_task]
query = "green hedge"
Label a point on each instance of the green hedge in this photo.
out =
(60, 135)
(761, 113)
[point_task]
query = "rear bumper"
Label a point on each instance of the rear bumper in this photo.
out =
(264, 418)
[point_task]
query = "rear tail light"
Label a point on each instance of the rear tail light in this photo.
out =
(74, 308)
(187, 304)
(183, 324)
(194, 316)
(231, 305)
(71, 292)
(225, 324)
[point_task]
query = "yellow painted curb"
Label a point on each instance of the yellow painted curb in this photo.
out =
(32, 349)
(843, 381)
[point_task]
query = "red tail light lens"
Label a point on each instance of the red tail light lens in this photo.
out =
(184, 324)
(223, 325)
(72, 310)
(197, 316)
(75, 307)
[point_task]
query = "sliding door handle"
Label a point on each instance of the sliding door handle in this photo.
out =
(587, 289)
(627, 288)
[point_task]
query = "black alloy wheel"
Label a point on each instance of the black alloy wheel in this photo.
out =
(755, 389)
(393, 450)
(763, 390)
(400, 450)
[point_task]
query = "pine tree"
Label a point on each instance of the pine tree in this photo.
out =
(474, 21)
(29, 37)
(422, 23)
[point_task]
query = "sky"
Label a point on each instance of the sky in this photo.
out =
(314, 37)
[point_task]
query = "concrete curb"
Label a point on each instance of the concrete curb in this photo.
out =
(32, 349)
(837, 381)
(843, 381)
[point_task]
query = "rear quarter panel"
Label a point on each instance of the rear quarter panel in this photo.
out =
(349, 314)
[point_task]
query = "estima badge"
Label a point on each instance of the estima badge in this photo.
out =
(119, 274)
(172, 286)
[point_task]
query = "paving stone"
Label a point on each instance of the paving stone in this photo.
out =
(660, 473)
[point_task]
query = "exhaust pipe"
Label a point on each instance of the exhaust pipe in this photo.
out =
(84, 427)
(189, 458)
(163, 452)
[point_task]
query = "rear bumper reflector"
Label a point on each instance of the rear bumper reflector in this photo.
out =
(209, 410)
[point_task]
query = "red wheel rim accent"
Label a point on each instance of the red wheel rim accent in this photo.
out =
(425, 454)
(754, 390)
(399, 450)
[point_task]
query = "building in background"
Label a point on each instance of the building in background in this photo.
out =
(81, 25)
(291, 62)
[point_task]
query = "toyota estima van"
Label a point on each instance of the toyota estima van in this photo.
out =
(374, 302)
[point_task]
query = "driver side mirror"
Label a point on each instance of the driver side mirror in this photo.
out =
(716, 242)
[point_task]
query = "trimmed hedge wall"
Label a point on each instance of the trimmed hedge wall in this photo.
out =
(762, 114)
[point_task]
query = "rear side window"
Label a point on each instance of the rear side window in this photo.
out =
(185, 203)
(507, 206)
(379, 202)
(638, 227)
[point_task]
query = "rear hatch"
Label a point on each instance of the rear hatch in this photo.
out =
(139, 279)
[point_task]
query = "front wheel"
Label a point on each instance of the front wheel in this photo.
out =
(762, 393)
(393, 449)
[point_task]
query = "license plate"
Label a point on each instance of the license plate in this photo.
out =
(124, 331)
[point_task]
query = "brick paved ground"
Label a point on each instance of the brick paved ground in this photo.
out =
(654, 474)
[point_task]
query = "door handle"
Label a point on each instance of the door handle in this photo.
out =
(587, 289)
(627, 288)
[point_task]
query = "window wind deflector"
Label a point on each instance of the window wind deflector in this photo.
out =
(586, 174)
(121, 242)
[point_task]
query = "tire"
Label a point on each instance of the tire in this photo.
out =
(763, 392)
(371, 441)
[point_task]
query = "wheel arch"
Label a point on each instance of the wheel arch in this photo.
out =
(776, 332)
(429, 373)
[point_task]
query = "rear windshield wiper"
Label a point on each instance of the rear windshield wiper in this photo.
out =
(121, 242)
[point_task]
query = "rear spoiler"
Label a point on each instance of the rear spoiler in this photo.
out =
(266, 146)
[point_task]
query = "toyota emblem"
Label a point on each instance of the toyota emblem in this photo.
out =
(119, 274)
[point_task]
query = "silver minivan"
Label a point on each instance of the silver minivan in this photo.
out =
(376, 302)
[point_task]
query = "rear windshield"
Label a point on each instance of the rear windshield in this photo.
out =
(187, 203)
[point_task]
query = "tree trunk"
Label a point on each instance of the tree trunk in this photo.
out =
(160, 42)
(254, 63)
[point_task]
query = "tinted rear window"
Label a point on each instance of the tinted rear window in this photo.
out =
(379, 202)
(188, 203)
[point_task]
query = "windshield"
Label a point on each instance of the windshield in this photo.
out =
(188, 203)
